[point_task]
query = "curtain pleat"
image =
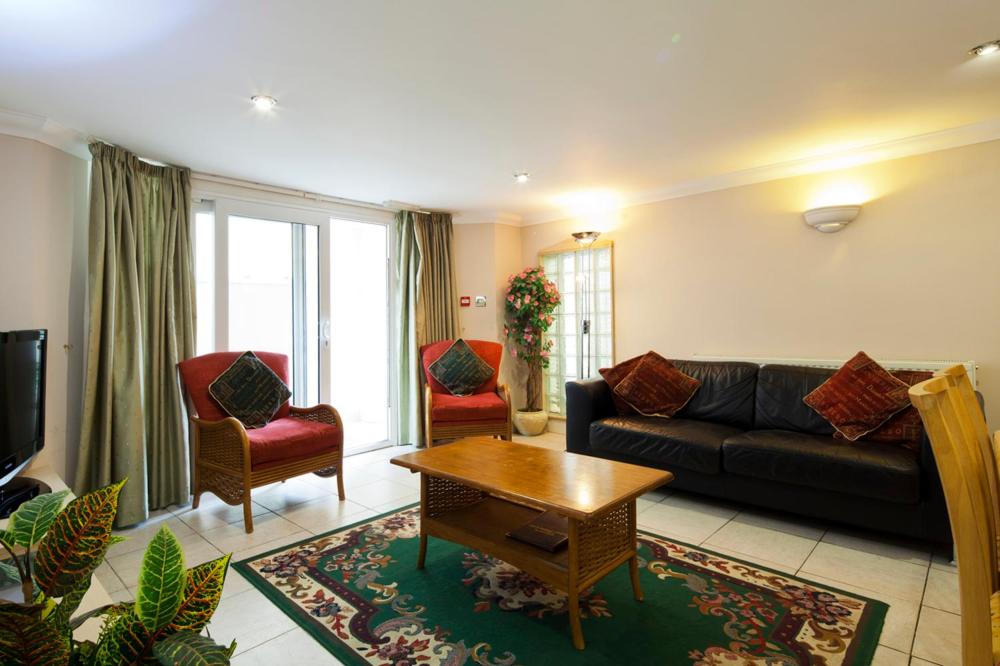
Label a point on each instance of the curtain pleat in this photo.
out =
(142, 323)
(427, 299)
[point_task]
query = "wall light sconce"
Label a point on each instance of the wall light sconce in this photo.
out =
(586, 238)
(829, 219)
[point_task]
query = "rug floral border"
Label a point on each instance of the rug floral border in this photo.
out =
(862, 649)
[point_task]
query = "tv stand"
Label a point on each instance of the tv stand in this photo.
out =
(19, 490)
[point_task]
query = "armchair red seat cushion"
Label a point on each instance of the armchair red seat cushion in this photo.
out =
(284, 439)
(477, 407)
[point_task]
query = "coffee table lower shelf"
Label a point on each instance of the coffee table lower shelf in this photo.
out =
(476, 519)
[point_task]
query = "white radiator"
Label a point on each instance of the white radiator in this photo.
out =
(931, 366)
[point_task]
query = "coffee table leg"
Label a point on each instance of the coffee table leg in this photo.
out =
(422, 553)
(574, 620)
(633, 564)
(633, 570)
(574, 584)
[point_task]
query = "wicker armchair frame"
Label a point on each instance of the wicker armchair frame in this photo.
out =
(222, 465)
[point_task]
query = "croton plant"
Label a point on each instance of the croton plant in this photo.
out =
(531, 300)
(53, 552)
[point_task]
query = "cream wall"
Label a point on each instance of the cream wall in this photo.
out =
(43, 259)
(737, 272)
(486, 254)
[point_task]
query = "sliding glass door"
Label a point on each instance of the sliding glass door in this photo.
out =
(300, 283)
(274, 296)
(359, 337)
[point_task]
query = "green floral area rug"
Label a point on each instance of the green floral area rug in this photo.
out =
(358, 592)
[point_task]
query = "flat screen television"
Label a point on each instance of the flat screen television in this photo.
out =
(22, 399)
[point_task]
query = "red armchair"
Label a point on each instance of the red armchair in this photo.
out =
(229, 460)
(485, 412)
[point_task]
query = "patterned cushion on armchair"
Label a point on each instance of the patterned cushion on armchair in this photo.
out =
(250, 391)
(490, 352)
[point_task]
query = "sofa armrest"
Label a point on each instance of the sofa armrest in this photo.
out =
(586, 402)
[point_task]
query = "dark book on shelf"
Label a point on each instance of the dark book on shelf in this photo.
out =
(548, 531)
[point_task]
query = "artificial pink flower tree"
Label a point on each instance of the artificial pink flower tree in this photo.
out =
(531, 299)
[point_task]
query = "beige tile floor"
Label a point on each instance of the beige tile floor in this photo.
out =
(920, 586)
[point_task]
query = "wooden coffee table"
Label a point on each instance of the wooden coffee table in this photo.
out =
(476, 490)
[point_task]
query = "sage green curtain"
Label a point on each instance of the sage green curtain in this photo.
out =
(428, 309)
(142, 322)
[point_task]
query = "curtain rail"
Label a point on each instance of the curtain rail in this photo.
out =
(287, 191)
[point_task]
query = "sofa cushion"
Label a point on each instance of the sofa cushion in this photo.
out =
(613, 376)
(684, 443)
(905, 427)
(656, 388)
(289, 438)
(726, 394)
(859, 397)
(873, 470)
(778, 400)
(476, 407)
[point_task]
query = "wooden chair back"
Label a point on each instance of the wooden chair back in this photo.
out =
(967, 497)
(976, 436)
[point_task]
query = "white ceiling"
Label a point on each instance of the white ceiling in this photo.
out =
(439, 102)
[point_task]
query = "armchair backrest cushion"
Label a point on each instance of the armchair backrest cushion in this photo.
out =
(491, 352)
(199, 372)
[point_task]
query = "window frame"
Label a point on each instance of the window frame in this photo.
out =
(571, 247)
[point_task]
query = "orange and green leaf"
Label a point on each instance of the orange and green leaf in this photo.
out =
(126, 639)
(27, 639)
(161, 580)
(34, 518)
(77, 541)
(201, 595)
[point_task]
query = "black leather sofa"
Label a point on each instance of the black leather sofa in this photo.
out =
(747, 436)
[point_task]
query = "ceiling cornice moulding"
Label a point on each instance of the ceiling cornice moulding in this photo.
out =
(955, 137)
(44, 130)
(488, 217)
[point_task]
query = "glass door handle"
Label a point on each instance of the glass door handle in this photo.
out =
(324, 333)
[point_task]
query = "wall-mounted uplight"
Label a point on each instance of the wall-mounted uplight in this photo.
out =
(586, 238)
(263, 102)
(829, 219)
(985, 49)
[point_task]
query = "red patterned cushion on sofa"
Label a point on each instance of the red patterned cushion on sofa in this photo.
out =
(614, 376)
(656, 388)
(905, 427)
(859, 398)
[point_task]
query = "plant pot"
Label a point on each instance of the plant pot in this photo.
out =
(531, 423)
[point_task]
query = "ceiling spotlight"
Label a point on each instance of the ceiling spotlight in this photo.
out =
(264, 102)
(985, 49)
(521, 177)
